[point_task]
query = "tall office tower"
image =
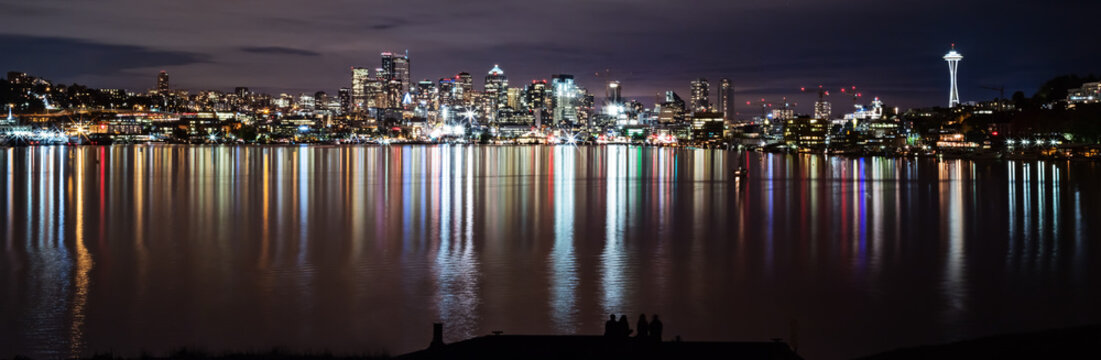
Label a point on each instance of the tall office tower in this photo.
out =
(822, 109)
(465, 84)
(496, 88)
(566, 99)
(445, 90)
(700, 95)
(321, 99)
(345, 95)
(953, 58)
(162, 81)
(396, 67)
(613, 99)
(614, 93)
(537, 95)
(375, 93)
(360, 77)
(425, 94)
(726, 99)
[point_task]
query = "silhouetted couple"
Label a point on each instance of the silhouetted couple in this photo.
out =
(621, 329)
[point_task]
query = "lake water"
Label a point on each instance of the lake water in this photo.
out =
(360, 249)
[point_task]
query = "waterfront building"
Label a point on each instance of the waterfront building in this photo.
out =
(805, 131)
(707, 125)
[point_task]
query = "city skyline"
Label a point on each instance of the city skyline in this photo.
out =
(882, 54)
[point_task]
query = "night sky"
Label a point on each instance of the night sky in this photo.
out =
(890, 49)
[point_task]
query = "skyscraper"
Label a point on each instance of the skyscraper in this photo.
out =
(953, 58)
(465, 86)
(700, 95)
(496, 87)
(360, 77)
(396, 67)
(537, 95)
(345, 95)
(726, 99)
(615, 93)
(162, 81)
(566, 99)
(822, 108)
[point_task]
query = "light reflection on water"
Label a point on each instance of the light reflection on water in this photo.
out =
(353, 249)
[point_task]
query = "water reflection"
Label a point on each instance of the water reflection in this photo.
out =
(355, 249)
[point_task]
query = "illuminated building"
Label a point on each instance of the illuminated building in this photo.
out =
(707, 125)
(726, 99)
(700, 95)
(445, 92)
(822, 108)
(305, 101)
(496, 88)
(671, 110)
(425, 94)
(805, 131)
(862, 114)
(953, 58)
(614, 93)
(162, 82)
(345, 99)
(396, 67)
(1089, 93)
(515, 98)
(536, 95)
(360, 77)
(782, 114)
(566, 99)
(465, 86)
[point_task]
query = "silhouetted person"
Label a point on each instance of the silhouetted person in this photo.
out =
(611, 327)
(624, 327)
(642, 327)
(655, 328)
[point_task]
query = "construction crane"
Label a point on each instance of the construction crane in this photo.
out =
(999, 88)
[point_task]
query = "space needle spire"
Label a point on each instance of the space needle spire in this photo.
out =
(953, 58)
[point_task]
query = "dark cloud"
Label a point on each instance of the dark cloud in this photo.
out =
(279, 50)
(63, 58)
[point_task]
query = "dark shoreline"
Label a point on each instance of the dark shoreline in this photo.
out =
(1070, 342)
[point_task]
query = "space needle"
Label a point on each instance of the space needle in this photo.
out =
(953, 58)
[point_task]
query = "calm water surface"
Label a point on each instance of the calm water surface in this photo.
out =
(360, 249)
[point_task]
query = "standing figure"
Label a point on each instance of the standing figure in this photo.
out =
(610, 326)
(655, 328)
(624, 327)
(643, 327)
